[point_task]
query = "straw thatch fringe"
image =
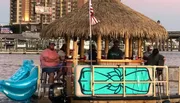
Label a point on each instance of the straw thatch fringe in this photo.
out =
(116, 20)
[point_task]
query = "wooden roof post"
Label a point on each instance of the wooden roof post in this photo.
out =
(140, 48)
(131, 48)
(74, 51)
(106, 47)
(82, 48)
(67, 46)
(99, 39)
(126, 48)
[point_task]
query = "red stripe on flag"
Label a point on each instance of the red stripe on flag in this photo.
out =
(93, 18)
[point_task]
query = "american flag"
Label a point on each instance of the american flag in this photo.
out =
(93, 19)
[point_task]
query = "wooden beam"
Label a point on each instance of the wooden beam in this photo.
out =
(99, 39)
(82, 48)
(67, 46)
(74, 51)
(126, 48)
(106, 47)
(139, 48)
(131, 48)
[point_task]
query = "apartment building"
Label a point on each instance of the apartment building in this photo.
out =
(23, 12)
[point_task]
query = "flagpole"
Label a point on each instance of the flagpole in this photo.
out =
(90, 32)
(90, 36)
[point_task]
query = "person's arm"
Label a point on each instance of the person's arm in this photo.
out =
(161, 60)
(145, 57)
(47, 59)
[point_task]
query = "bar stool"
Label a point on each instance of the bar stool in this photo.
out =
(44, 78)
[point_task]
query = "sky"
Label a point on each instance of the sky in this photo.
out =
(167, 11)
(4, 11)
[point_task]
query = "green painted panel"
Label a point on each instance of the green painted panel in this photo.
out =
(110, 74)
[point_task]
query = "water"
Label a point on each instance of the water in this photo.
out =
(172, 58)
(9, 63)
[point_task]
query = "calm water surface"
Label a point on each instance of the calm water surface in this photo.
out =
(9, 63)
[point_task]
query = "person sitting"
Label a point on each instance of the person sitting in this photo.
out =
(115, 52)
(156, 59)
(94, 54)
(49, 60)
(146, 54)
(62, 61)
(62, 53)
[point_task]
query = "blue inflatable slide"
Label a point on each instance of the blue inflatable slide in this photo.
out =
(23, 84)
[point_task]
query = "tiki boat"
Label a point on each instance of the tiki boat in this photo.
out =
(111, 81)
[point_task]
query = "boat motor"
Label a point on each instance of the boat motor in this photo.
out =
(166, 101)
(56, 93)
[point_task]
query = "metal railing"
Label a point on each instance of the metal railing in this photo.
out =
(167, 79)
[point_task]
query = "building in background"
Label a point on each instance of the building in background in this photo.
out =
(33, 14)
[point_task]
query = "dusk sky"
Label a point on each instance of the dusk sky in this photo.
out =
(167, 11)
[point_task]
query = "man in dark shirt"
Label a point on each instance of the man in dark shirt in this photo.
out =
(115, 52)
(156, 59)
(94, 54)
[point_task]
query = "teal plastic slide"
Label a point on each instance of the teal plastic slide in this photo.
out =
(23, 84)
(106, 81)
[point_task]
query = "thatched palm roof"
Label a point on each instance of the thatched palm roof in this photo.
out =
(116, 19)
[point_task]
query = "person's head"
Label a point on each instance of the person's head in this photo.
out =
(149, 48)
(63, 48)
(116, 44)
(51, 45)
(155, 52)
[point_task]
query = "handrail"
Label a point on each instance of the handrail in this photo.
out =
(121, 61)
(109, 61)
(87, 61)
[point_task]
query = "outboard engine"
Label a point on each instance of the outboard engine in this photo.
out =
(57, 93)
(166, 101)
